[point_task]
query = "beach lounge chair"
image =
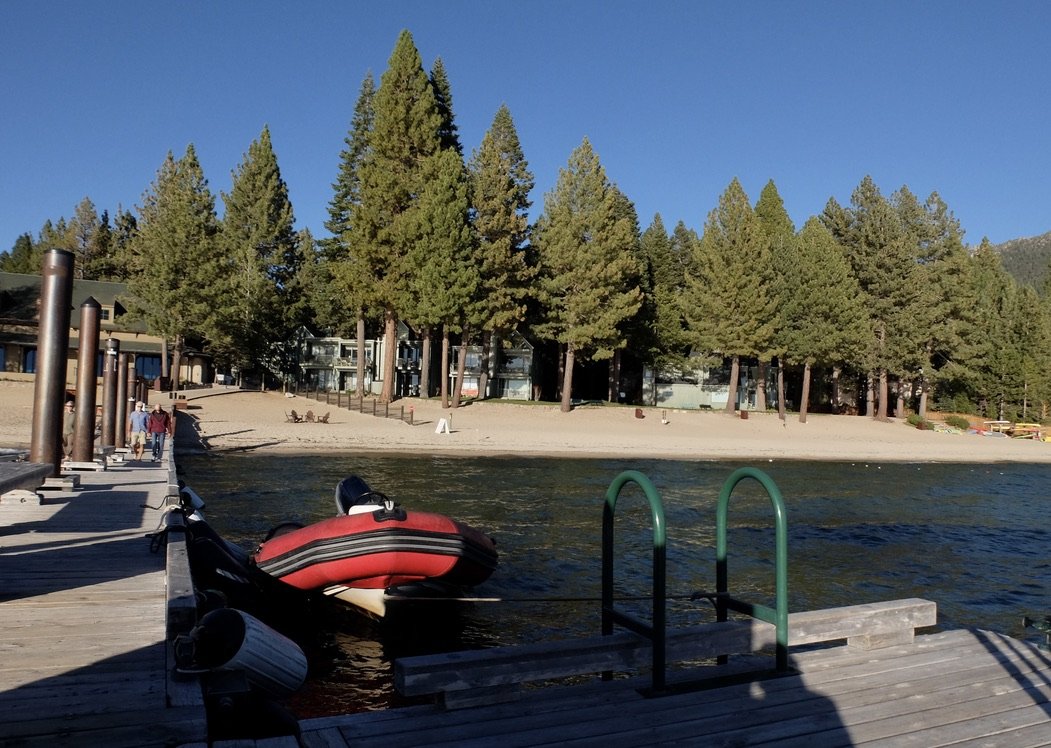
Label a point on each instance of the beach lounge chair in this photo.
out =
(295, 417)
(309, 416)
(323, 419)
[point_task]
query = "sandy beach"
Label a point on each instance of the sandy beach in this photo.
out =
(226, 419)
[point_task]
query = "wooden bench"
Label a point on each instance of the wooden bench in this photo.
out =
(459, 679)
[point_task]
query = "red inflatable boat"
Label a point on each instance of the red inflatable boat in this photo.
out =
(374, 551)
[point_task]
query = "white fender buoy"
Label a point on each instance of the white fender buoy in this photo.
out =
(229, 639)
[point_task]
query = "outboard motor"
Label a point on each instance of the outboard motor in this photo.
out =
(354, 491)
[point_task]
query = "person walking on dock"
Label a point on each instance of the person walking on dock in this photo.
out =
(69, 425)
(159, 425)
(137, 429)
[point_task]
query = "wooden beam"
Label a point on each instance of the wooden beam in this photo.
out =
(869, 624)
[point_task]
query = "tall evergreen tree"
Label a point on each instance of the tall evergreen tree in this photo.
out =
(261, 258)
(584, 243)
(25, 257)
(684, 242)
(447, 280)
(945, 310)
(500, 187)
(175, 282)
(404, 136)
(346, 283)
(997, 357)
(780, 234)
(347, 187)
(104, 263)
(83, 230)
(448, 133)
(822, 318)
(664, 278)
(125, 229)
(883, 256)
(1031, 331)
(726, 303)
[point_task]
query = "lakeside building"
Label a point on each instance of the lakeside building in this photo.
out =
(20, 321)
(330, 363)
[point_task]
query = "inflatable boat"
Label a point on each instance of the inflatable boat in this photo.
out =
(374, 552)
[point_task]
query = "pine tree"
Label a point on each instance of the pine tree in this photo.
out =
(1031, 330)
(664, 278)
(822, 318)
(25, 257)
(104, 263)
(584, 244)
(345, 284)
(500, 187)
(446, 282)
(726, 303)
(884, 258)
(175, 283)
(947, 304)
(347, 187)
(780, 234)
(404, 136)
(260, 259)
(997, 357)
(448, 133)
(125, 229)
(82, 231)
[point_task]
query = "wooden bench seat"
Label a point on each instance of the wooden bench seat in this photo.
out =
(476, 676)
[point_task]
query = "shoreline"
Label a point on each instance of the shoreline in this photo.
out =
(225, 420)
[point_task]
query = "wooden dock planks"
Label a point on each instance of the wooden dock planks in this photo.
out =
(83, 655)
(942, 689)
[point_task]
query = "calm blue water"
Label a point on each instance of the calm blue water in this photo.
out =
(975, 539)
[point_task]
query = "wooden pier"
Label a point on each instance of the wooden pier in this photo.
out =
(84, 659)
(87, 614)
(959, 688)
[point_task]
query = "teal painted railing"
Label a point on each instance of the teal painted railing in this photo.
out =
(778, 615)
(655, 630)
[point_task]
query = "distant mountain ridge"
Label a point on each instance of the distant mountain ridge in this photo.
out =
(1027, 259)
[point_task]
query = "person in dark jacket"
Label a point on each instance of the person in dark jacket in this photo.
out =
(158, 426)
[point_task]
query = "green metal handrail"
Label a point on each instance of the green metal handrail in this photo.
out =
(779, 614)
(656, 629)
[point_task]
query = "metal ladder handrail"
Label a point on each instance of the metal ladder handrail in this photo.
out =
(656, 630)
(723, 601)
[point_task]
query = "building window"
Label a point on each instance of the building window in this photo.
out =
(104, 314)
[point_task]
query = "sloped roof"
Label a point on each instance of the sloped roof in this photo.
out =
(20, 293)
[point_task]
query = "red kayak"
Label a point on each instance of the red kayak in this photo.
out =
(373, 547)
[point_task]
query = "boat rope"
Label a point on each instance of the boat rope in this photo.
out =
(710, 596)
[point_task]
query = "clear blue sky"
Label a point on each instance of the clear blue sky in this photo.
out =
(677, 98)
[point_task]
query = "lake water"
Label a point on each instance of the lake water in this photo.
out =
(973, 538)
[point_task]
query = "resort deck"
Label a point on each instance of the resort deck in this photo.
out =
(83, 653)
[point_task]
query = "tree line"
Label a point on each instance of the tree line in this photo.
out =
(883, 288)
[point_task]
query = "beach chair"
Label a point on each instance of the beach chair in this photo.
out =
(309, 416)
(323, 419)
(295, 417)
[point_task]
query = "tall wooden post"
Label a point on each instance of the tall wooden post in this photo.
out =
(121, 417)
(109, 392)
(87, 381)
(56, 298)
